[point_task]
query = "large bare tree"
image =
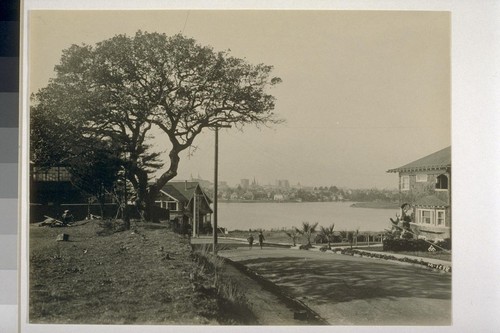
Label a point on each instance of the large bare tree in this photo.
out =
(122, 87)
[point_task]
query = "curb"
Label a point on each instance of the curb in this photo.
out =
(301, 311)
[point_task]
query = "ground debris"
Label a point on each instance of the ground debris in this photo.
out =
(50, 222)
(62, 238)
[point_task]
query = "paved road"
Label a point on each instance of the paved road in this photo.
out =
(347, 290)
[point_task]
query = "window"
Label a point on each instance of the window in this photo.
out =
(172, 206)
(421, 178)
(440, 218)
(52, 174)
(64, 174)
(405, 183)
(442, 182)
(426, 216)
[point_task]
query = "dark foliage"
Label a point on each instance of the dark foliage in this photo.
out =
(405, 245)
(445, 244)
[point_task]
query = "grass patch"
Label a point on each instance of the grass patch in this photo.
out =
(231, 299)
(106, 276)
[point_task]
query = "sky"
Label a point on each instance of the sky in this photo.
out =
(362, 91)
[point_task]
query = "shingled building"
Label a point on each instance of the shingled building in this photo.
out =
(425, 184)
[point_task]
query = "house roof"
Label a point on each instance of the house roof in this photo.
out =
(431, 201)
(182, 191)
(438, 160)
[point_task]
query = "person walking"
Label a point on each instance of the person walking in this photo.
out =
(250, 241)
(261, 239)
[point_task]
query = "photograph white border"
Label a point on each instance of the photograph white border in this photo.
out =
(475, 152)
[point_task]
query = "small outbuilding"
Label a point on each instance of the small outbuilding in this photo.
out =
(188, 206)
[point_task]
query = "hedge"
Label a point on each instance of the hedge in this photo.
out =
(405, 245)
(391, 257)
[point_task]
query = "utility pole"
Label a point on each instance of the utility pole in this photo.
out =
(216, 183)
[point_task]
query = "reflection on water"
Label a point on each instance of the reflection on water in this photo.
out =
(244, 216)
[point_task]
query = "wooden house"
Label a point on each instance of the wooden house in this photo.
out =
(187, 204)
(51, 192)
(425, 184)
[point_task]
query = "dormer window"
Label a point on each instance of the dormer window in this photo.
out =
(442, 182)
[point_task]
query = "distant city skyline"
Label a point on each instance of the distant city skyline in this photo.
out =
(281, 183)
(362, 91)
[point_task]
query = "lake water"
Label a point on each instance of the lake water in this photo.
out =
(244, 216)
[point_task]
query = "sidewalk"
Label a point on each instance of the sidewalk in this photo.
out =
(364, 248)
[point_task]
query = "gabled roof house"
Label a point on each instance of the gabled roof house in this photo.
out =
(188, 204)
(425, 184)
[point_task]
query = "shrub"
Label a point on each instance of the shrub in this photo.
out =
(305, 247)
(405, 245)
(407, 235)
(445, 244)
(324, 248)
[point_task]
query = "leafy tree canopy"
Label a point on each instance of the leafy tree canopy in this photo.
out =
(121, 87)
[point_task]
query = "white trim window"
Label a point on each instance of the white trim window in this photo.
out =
(421, 178)
(440, 218)
(405, 183)
(426, 216)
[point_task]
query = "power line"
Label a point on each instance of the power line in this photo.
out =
(185, 22)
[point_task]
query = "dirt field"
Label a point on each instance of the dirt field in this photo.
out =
(121, 278)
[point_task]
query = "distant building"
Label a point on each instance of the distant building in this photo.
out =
(245, 183)
(282, 183)
(425, 184)
(187, 204)
(255, 184)
(279, 197)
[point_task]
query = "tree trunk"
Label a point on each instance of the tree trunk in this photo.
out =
(148, 198)
(149, 211)
(126, 217)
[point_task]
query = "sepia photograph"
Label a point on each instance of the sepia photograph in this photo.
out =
(240, 167)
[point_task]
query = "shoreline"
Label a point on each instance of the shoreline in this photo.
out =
(375, 205)
(355, 204)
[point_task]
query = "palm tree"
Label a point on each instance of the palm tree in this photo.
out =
(328, 233)
(350, 237)
(293, 235)
(307, 231)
